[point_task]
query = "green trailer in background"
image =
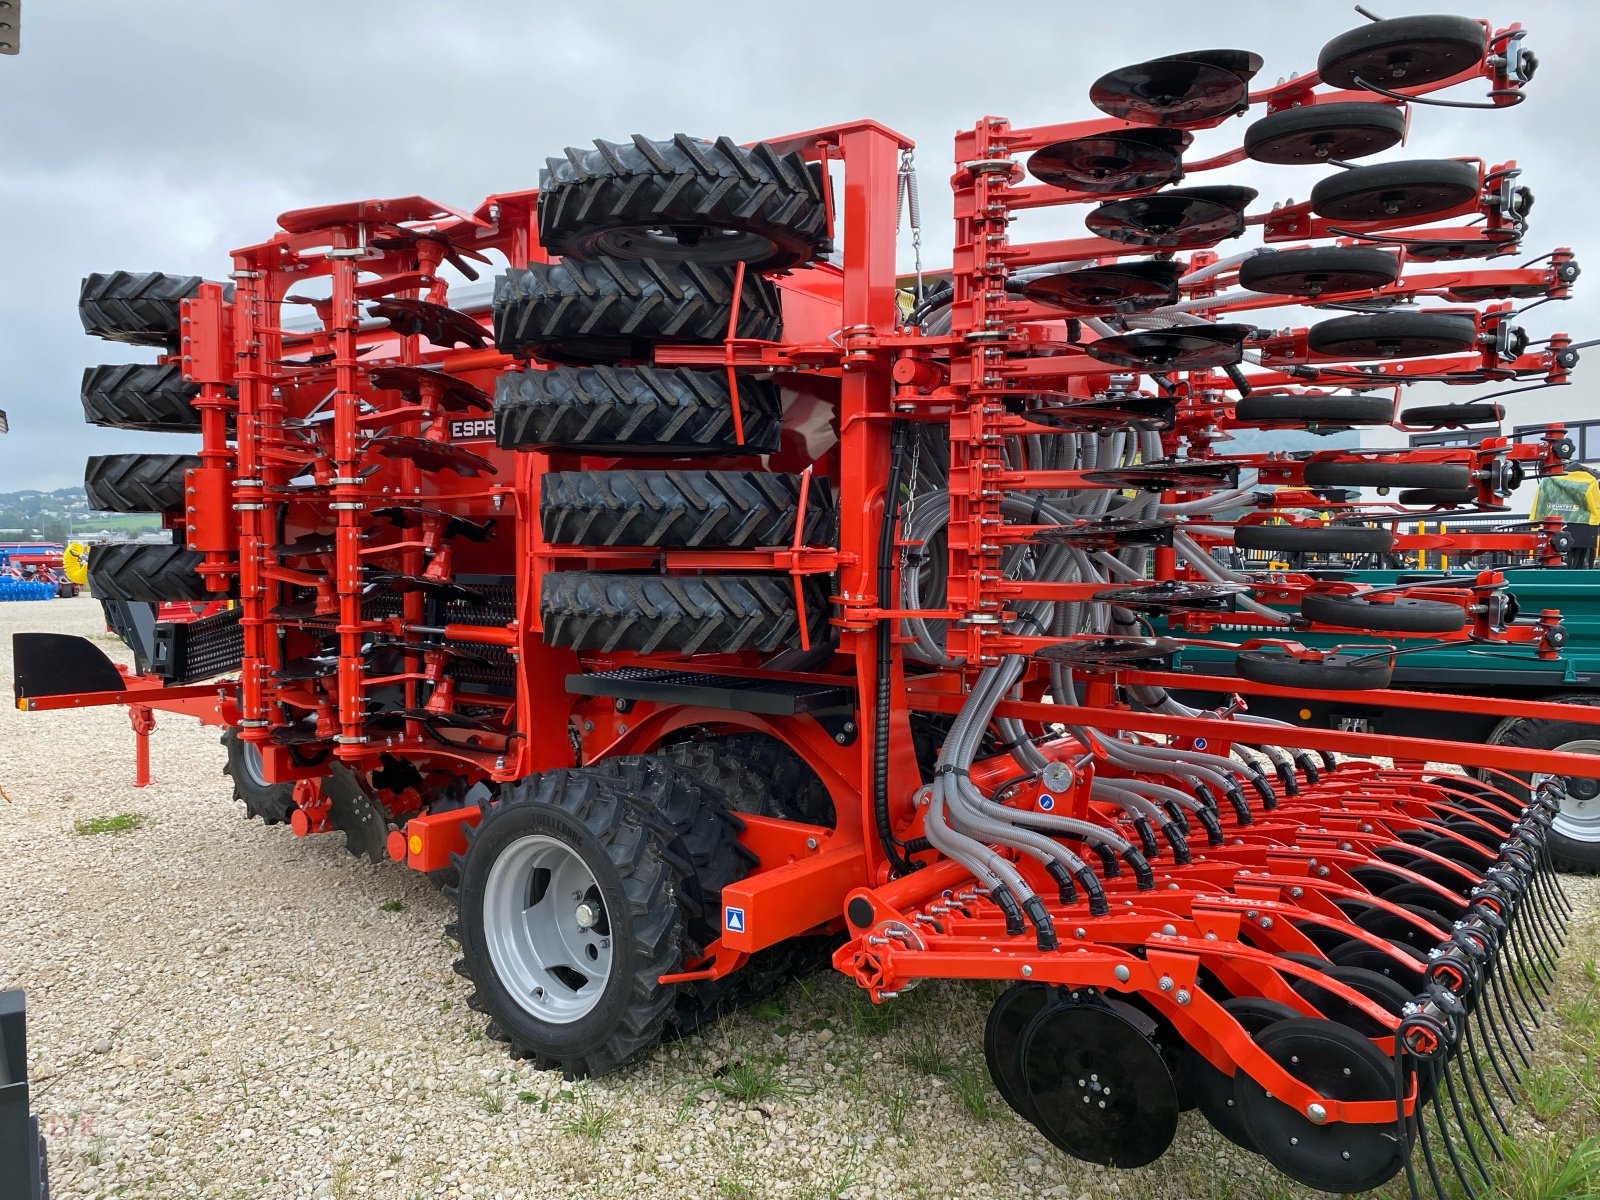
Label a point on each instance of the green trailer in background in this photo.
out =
(1462, 669)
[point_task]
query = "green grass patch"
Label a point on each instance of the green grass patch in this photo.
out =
(120, 823)
(392, 906)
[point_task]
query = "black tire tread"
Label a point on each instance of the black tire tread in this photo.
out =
(1404, 615)
(154, 572)
(1338, 61)
(272, 802)
(137, 308)
(1266, 272)
(1427, 333)
(1376, 127)
(734, 509)
(145, 396)
(1446, 184)
(634, 410)
(684, 614)
(1324, 411)
(609, 309)
(1566, 854)
(137, 483)
(682, 182)
(758, 774)
(1388, 472)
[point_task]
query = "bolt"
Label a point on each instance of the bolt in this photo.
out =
(1183, 996)
(587, 915)
(1122, 974)
(1026, 970)
(1266, 922)
(811, 843)
(1165, 983)
(1316, 1113)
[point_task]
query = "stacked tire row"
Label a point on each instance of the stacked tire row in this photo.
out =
(650, 234)
(140, 309)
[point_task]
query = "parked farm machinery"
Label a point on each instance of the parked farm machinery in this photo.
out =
(706, 605)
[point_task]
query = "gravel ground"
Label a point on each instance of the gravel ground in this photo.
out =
(219, 1009)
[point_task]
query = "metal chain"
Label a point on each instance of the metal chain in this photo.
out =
(910, 505)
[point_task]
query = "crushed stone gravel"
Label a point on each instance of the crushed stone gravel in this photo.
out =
(221, 1010)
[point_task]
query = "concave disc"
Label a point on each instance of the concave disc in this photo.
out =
(1174, 219)
(1380, 989)
(1340, 1064)
(1188, 348)
(1212, 1089)
(1174, 595)
(1002, 1042)
(1170, 474)
(1115, 287)
(1110, 162)
(1170, 91)
(1110, 651)
(1111, 531)
(1099, 1088)
(1409, 970)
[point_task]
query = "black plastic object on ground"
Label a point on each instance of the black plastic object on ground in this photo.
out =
(22, 1152)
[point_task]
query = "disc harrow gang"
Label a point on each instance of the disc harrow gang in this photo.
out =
(703, 606)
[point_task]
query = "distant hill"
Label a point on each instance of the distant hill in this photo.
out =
(62, 515)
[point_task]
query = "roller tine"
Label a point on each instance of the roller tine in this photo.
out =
(1461, 1122)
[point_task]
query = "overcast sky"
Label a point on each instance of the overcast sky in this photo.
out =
(157, 135)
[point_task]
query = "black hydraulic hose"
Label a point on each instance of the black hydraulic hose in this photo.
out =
(899, 864)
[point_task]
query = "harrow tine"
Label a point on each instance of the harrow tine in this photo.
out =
(1469, 1053)
(1510, 1022)
(1419, 1123)
(1443, 1072)
(1494, 1030)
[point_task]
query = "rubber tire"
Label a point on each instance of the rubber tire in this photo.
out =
(1435, 497)
(1436, 416)
(1460, 42)
(1330, 539)
(1413, 334)
(702, 509)
(1383, 472)
(1333, 412)
(155, 572)
(1437, 185)
(634, 410)
(682, 614)
(272, 802)
(137, 483)
(590, 200)
(613, 834)
(608, 310)
(757, 774)
(136, 308)
(1287, 272)
(144, 396)
(1404, 615)
(1354, 129)
(1566, 853)
(1282, 670)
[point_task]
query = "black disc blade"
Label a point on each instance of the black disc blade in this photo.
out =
(1099, 1088)
(1110, 651)
(1116, 287)
(1212, 1088)
(1168, 349)
(1175, 219)
(1175, 596)
(1334, 1156)
(1111, 162)
(1168, 475)
(1108, 533)
(1002, 1042)
(1169, 91)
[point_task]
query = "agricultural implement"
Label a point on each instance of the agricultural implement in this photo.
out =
(708, 606)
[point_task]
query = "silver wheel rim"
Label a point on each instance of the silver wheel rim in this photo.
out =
(1579, 818)
(547, 929)
(250, 764)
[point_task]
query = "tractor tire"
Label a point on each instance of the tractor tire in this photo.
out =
(137, 483)
(758, 774)
(610, 309)
(1388, 472)
(1574, 839)
(1322, 133)
(674, 411)
(679, 614)
(1323, 412)
(1405, 614)
(134, 571)
(702, 509)
(683, 200)
(584, 833)
(272, 802)
(143, 396)
(1326, 539)
(136, 308)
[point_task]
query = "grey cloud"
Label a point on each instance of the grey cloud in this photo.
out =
(159, 135)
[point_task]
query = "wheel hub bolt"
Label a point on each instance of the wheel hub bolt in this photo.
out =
(587, 915)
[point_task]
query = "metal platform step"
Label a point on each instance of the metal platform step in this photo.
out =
(738, 693)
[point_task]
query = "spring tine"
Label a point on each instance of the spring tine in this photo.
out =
(1494, 1060)
(1469, 1054)
(1519, 964)
(1400, 1129)
(1508, 1023)
(1420, 1124)
(1461, 1124)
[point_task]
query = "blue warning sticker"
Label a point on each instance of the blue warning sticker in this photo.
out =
(733, 920)
(1047, 802)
